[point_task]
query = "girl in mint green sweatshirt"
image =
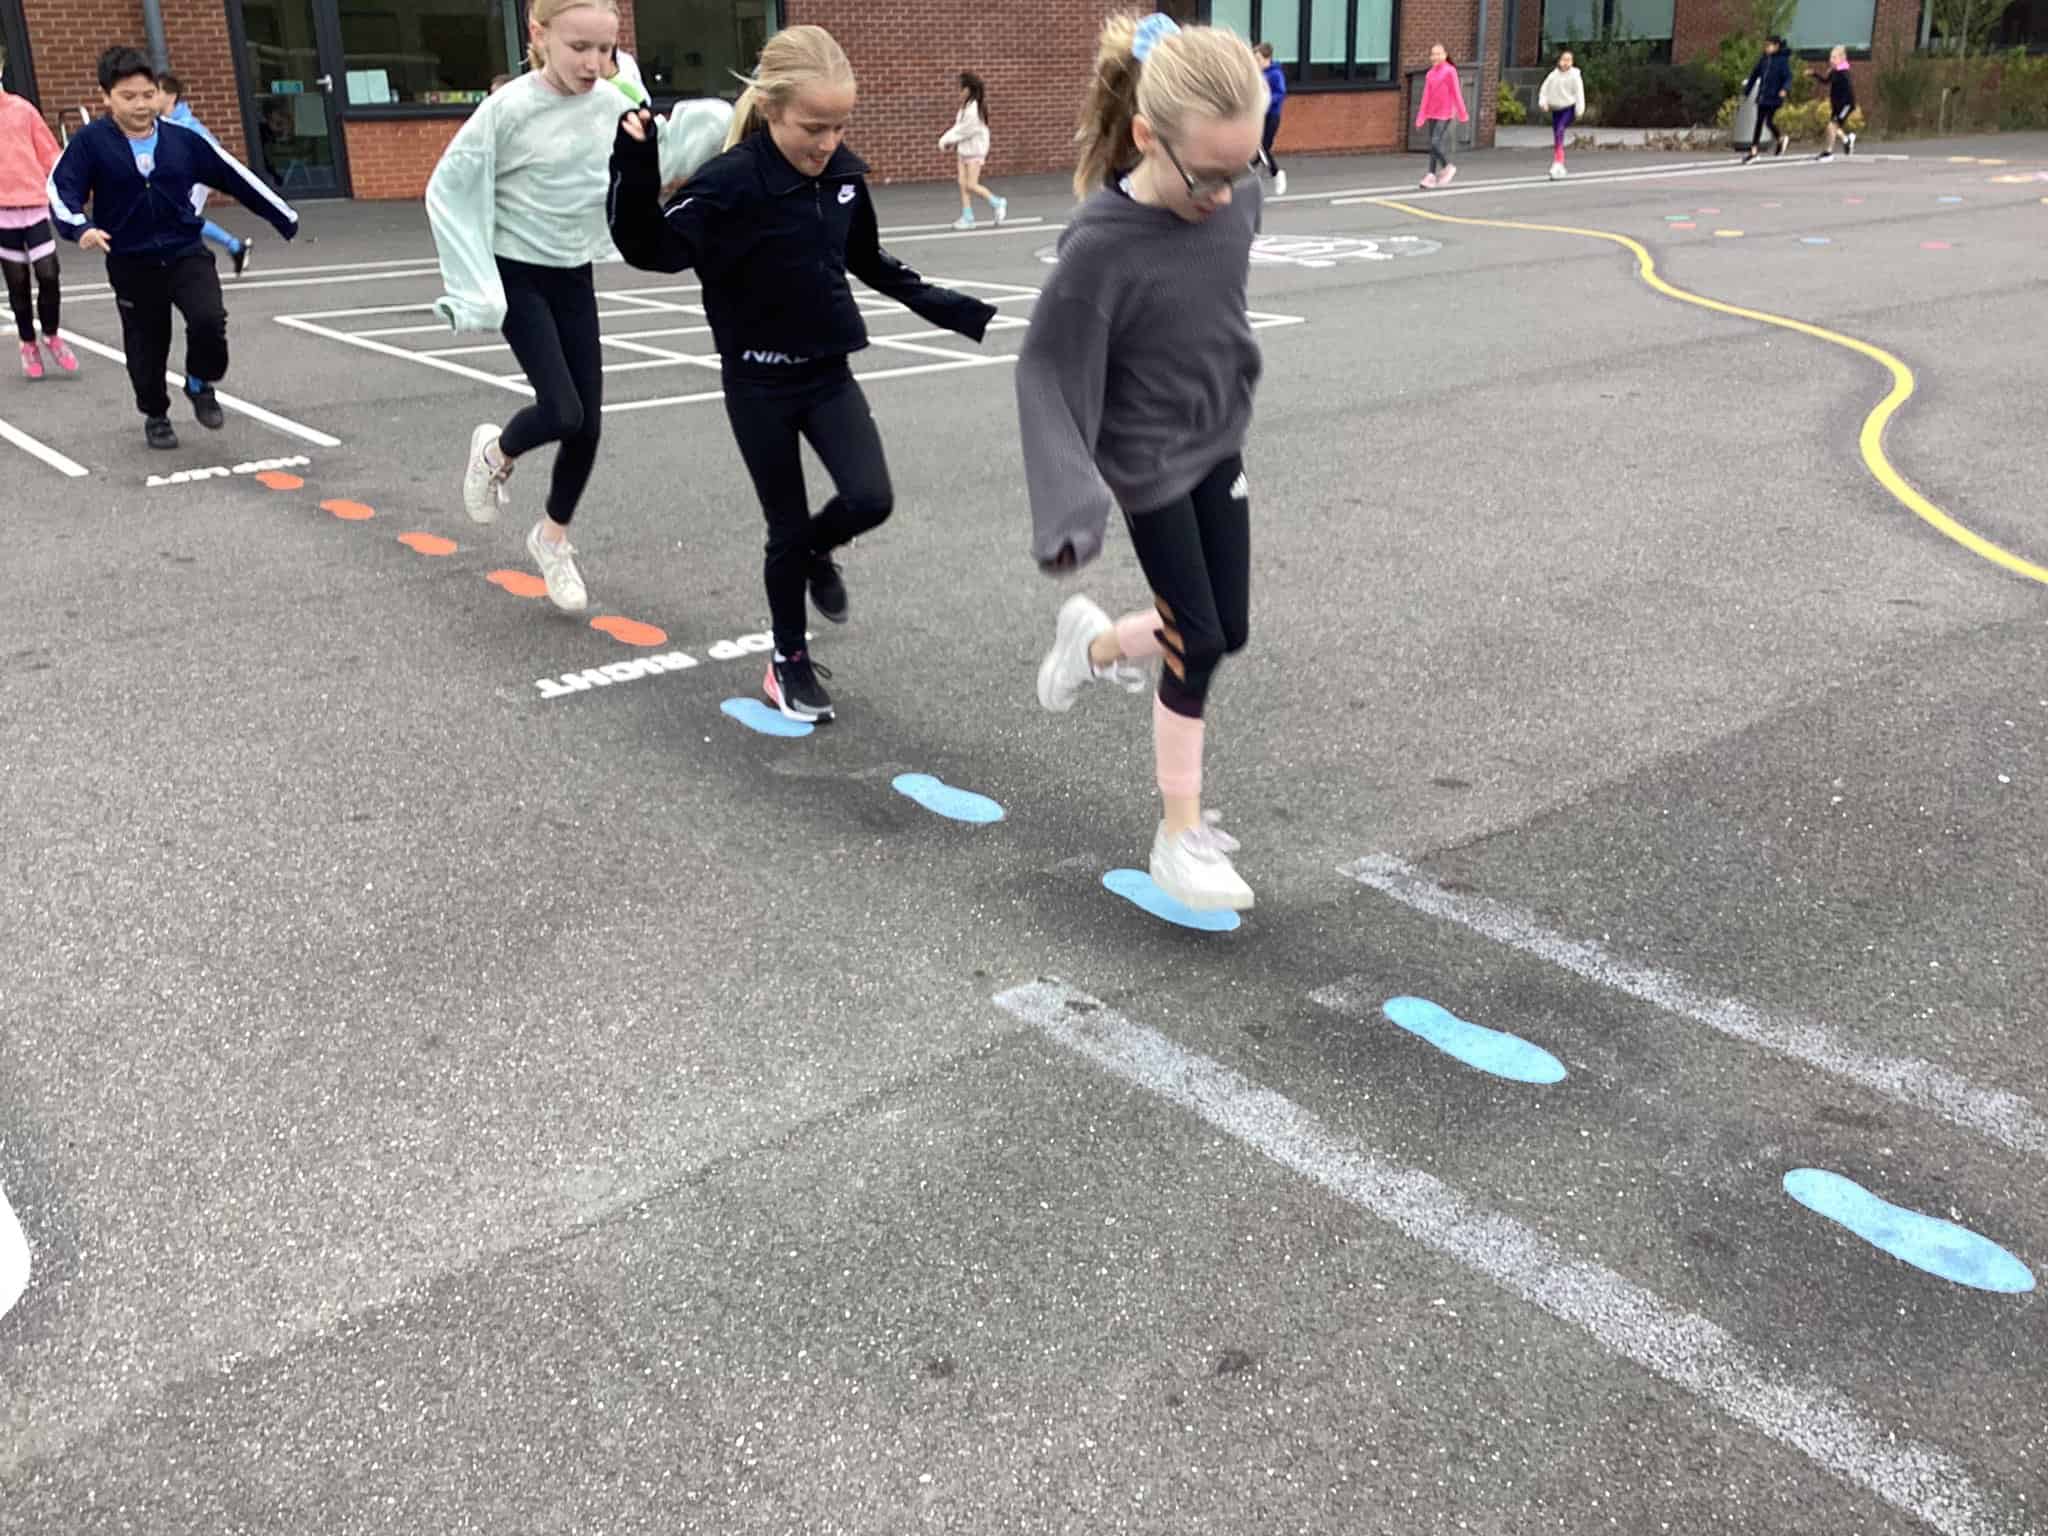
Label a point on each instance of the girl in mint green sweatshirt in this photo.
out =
(517, 206)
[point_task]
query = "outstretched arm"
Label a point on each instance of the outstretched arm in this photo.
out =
(866, 260)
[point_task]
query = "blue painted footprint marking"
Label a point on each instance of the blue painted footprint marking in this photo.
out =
(1926, 1242)
(1136, 887)
(1490, 1050)
(756, 716)
(942, 799)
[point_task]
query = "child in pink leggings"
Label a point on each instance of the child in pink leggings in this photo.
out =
(28, 243)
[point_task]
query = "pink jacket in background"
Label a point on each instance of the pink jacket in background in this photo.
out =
(1441, 95)
(28, 153)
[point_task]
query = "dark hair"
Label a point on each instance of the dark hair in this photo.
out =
(1774, 38)
(970, 82)
(1264, 51)
(118, 64)
(171, 84)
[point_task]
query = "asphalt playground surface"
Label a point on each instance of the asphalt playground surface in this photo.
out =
(455, 1078)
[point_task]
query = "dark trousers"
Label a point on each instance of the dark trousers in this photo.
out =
(551, 324)
(773, 410)
(1766, 118)
(1266, 138)
(47, 299)
(1197, 557)
(146, 291)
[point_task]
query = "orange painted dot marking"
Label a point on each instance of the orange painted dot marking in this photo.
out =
(427, 543)
(278, 480)
(628, 631)
(349, 511)
(519, 583)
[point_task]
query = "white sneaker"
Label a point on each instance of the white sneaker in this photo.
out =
(1852, 143)
(483, 488)
(1002, 211)
(965, 221)
(1066, 668)
(1195, 868)
(557, 562)
(1557, 171)
(1279, 183)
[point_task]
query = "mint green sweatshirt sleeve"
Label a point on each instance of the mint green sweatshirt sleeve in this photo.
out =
(462, 208)
(691, 137)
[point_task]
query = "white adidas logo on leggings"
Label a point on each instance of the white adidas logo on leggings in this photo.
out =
(1240, 488)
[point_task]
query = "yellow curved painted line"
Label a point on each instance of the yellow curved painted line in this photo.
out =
(1870, 441)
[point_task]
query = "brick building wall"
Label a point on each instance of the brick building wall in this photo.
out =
(391, 158)
(68, 37)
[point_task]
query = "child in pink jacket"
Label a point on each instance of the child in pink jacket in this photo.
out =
(1443, 103)
(28, 245)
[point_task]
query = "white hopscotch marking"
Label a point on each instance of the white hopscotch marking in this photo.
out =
(36, 448)
(14, 1257)
(234, 403)
(2004, 1117)
(1683, 1348)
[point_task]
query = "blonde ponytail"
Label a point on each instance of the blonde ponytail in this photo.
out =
(1192, 72)
(543, 12)
(794, 58)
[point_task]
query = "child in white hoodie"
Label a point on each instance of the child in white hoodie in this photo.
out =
(1564, 97)
(969, 138)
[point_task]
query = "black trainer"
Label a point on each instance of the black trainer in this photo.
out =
(792, 686)
(206, 406)
(241, 256)
(159, 432)
(828, 588)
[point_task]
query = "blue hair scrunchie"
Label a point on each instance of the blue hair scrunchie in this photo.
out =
(1153, 30)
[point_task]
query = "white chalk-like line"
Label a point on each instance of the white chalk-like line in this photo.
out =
(37, 448)
(1730, 167)
(864, 375)
(14, 1257)
(2004, 1117)
(426, 359)
(230, 402)
(1683, 1348)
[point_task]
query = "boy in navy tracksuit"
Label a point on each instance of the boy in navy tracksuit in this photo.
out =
(138, 173)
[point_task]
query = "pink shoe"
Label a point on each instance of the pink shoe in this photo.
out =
(61, 354)
(1429, 182)
(1444, 180)
(31, 360)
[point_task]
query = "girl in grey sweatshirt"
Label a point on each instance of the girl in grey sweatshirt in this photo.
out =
(1134, 391)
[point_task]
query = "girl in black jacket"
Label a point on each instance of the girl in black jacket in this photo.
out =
(773, 227)
(1771, 79)
(1841, 102)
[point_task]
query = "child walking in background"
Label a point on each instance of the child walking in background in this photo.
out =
(969, 137)
(170, 106)
(772, 228)
(28, 245)
(1841, 103)
(1135, 391)
(1768, 81)
(138, 173)
(1276, 98)
(1564, 97)
(1443, 105)
(517, 207)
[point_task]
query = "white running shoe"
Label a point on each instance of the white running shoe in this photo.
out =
(965, 221)
(1279, 183)
(1443, 178)
(1557, 171)
(1002, 206)
(483, 488)
(1066, 668)
(557, 562)
(1195, 868)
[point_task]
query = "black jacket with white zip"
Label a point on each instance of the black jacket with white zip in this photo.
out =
(773, 248)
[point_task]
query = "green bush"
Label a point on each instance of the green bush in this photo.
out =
(2023, 91)
(1652, 95)
(1808, 122)
(1511, 111)
(1906, 93)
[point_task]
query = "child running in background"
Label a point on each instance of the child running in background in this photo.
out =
(1135, 391)
(517, 206)
(1841, 102)
(1768, 81)
(772, 228)
(1443, 104)
(28, 245)
(969, 136)
(1276, 98)
(138, 173)
(170, 106)
(1564, 97)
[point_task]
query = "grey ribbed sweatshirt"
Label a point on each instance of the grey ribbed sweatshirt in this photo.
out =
(1138, 370)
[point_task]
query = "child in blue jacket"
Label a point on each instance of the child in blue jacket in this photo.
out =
(138, 173)
(1276, 98)
(172, 107)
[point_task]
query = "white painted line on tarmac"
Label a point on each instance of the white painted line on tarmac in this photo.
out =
(36, 448)
(14, 1257)
(1590, 178)
(425, 359)
(230, 402)
(1679, 1347)
(2005, 1117)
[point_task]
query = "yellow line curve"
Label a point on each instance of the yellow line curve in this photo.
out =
(1870, 441)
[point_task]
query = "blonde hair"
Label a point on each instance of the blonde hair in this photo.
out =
(1195, 72)
(542, 13)
(793, 58)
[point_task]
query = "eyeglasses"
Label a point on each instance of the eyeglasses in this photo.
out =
(1204, 187)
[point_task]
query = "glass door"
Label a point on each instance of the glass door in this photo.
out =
(289, 65)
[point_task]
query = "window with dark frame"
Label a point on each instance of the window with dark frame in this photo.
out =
(689, 48)
(1319, 44)
(426, 53)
